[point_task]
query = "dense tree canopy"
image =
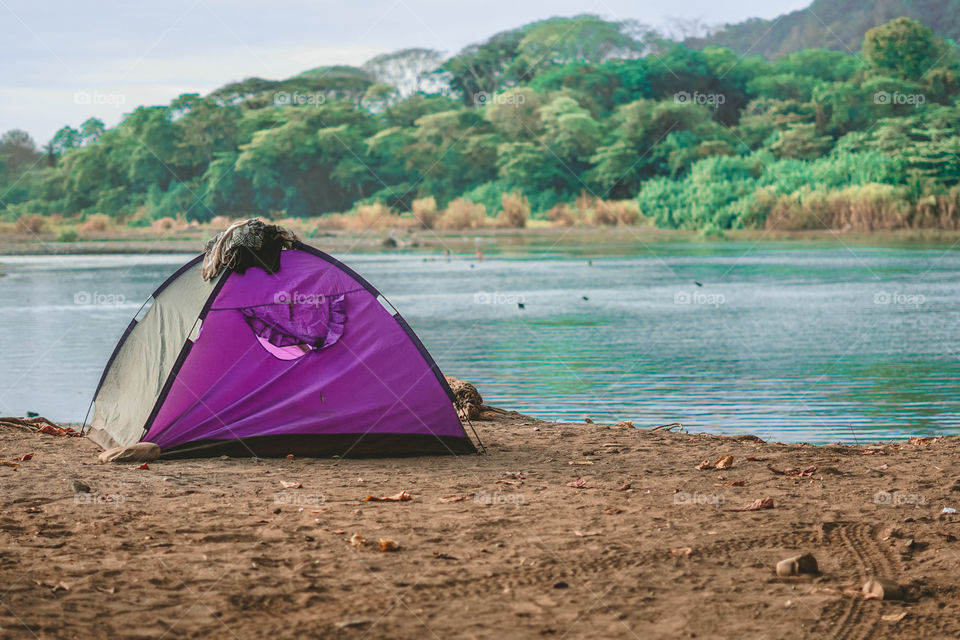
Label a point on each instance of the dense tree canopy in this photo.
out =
(556, 109)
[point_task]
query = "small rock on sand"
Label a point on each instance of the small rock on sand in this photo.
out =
(798, 565)
(882, 589)
(79, 486)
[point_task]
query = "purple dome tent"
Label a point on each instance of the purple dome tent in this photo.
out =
(309, 360)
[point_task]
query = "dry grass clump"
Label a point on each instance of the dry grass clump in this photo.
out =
(377, 216)
(96, 223)
(162, 225)
(220, 222)
(940, 211)
(463, 214)
(33, 224)
(615, 212)
(869, 207)
(425, 211)
(367, 216)
(563, 215)
(515, 211)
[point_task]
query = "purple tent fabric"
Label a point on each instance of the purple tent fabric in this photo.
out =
(364, 386)
(317, 324)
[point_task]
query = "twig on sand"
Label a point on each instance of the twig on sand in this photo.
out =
(37, 425)
(668, 427)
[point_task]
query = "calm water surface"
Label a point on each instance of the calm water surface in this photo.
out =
(788, 342)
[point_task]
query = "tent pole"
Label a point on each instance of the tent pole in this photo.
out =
(475, 435)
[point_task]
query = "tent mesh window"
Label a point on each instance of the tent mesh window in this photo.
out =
(296, 327)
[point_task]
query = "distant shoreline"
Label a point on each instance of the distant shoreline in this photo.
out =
(606, 240)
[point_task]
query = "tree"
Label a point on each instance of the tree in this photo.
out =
(18, 152)
(410, 71)
(801, 142)
(515, 113)
(903, 48)
(480, 70)
(91, 130)
(585, 38)
(65, 139)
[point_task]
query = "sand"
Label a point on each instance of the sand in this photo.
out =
(496, 546)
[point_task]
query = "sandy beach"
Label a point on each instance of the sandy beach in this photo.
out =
(561, 531)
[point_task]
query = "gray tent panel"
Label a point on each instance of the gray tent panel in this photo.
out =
(138, 371)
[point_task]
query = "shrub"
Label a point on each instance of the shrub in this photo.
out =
(163, 224)
(425, 211)
(68, 235)
(96, 223)
(31, 224)
(562, 214)
(869, 207)
(620, 212)
(463, 214)
(584, 205)
(377, 216)
(220, 222)
(515, 211)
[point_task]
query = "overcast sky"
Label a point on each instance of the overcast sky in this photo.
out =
(62, 61)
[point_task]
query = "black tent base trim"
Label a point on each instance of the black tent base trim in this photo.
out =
(347, 445)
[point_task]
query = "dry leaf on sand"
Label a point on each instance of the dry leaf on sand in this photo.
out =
(724, 463)
(403, 496)
(357, 540)
(681, 551)
(286, 484)
(757, 505)
(587, 534)
(388, 545)
(703, 465)
(579, 483)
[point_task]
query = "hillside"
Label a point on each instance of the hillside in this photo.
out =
(569, 121)
(830, 24)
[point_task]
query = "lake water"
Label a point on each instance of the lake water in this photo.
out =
(791, 342)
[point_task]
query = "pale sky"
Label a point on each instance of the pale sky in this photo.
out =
(64, 61)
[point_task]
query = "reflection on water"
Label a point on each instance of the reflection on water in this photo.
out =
(786, 342)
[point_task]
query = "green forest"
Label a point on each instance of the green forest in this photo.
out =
(567, 121)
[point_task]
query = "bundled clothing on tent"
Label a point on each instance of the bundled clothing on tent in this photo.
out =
(250, 243)
(265, 346)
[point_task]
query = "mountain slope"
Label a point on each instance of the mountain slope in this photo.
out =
(830, 24)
